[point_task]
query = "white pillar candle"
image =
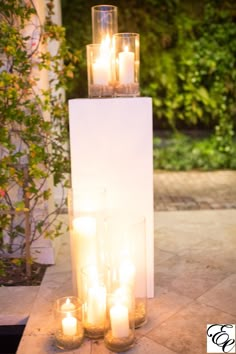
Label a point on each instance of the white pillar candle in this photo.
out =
(69, 325)
(96, 305)
(100, 72)
(68, 305)
(126, 67)
(119, 321)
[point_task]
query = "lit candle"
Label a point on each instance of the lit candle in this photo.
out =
(100, 72)
(68, 305)
(102, 66)
(69, 325)
(119, 321)
(127, 273)
(126, 67)
(96, 305)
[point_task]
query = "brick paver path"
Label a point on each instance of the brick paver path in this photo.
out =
(194, 190)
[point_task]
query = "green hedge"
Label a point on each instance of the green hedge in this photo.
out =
(188, 59)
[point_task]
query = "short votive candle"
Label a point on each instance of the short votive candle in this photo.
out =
(99, 68)
(119, 326)
(126, 59)
(69, 332)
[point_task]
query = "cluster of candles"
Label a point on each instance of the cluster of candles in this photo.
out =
(106, 305)
(113, 58)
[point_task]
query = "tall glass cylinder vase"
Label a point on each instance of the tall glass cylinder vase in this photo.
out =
(86, 220)
(126, 257)
(136, 231)
(94, 301)
(127, 62)
(104, 22)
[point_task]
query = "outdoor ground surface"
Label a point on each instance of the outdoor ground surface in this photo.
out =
(194, 190)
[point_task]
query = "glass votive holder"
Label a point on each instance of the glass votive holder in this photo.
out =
(100, 72)
(94, 302)
(69, 332)
(138, 243)
(104, 22)
(86, 214)
(127, 63)
(119, 332)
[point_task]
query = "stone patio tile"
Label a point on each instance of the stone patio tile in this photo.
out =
(98, 347)
(142, 345)
(187, 230)
(63, 260)
(161, 308)
(222, 296)
(206, 189)
(147, 346)
(54, 286)
(185, 332)
(180, 230)
(43, 344)
(16, 304)
(187, 277)
(217, 251)
(161, 256)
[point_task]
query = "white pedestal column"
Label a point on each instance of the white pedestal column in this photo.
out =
(111, 147)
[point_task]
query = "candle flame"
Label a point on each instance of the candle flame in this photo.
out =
(126, 49)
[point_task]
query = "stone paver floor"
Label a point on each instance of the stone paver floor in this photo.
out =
(194, 190)
(195, 272)
(195, 285)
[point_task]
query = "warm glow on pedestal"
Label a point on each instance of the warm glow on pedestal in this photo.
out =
(119, 315)
(102, 66)
(126, 67)
(127, 273)
(68, 305)
(85, 230)
(85, 226)
(69, 325)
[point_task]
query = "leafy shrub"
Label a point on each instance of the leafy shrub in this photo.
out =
(33, 125)
(182, 152)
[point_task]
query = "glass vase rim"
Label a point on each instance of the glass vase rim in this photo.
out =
(126, 34)
(107, 8)
(60, 301)
(95, 45)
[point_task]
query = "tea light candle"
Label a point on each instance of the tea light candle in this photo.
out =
(119, 321)
(126, 67)
(96, 305)
(69, 325)
(68, 305)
